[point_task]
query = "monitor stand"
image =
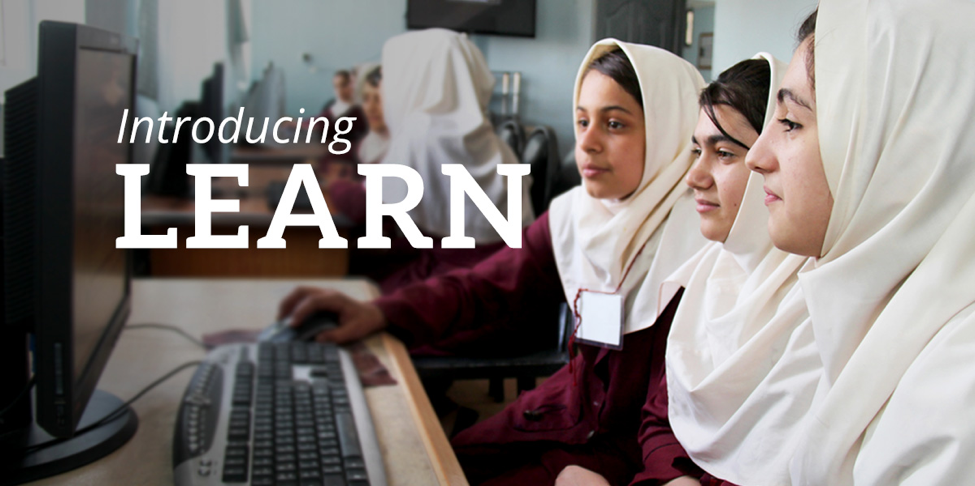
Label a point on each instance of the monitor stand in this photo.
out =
(71, 453)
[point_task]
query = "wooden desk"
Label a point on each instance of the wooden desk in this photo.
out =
(302, 258)
(415, 449)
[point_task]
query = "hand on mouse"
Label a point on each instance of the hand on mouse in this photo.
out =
(356, 319)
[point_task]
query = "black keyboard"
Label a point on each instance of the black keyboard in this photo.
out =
(290, 413)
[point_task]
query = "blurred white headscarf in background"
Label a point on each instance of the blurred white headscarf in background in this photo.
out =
(436, 89)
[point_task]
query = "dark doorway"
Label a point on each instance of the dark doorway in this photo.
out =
(653, 22)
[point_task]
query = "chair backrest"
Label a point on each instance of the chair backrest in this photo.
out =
(512, 133)
(542, 153)
(567, 176)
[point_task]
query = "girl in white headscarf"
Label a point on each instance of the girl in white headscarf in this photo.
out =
(617, 236)
(877, 133)
(435, 105)
(741, 310)
(372, 149)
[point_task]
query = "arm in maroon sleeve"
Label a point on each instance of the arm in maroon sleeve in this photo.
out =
(503, 291)
(663, 457)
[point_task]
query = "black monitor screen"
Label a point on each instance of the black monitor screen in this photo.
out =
(502, 17)
(99, 280)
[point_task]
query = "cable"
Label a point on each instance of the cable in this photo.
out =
(114, 414)
(168, 327)
(23, 393)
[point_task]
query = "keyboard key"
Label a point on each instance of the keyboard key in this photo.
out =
(356, 475)
(308, 464)
(286, 479)
(234, 474)
(348, 437)
(284, 449)
(328, 451)
(284, 458)
(235, 462)
(262, 481)
(239, 424)
(333, 480)
(309, 474)
(330, 443)
(331, 461)
(326, 470)
(238, 433)
(284, 467)
(325, 435)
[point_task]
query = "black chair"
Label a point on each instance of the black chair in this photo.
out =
(524, 368)
(542, 153)
(568, 176)
(512, 133)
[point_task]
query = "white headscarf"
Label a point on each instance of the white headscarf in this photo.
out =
(596, 240)
(891, 297)
(436, 89)
(740, 313)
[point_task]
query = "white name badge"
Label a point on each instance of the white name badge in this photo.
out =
(602, 320)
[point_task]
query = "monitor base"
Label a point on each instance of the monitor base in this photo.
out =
(28, 465)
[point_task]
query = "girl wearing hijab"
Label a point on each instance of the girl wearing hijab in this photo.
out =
(341, 166)
(733, 110)
(374, 145)
(617, 236)
(741, 310)
(435, 105)
(869, 171)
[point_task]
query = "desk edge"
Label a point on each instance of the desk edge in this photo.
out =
(441, 454)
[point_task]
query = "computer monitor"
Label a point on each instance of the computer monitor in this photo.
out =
(498, 17)
(168, 176)
(211, 106)
(66, 288)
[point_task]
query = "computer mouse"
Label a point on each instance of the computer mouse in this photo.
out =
(282, 330)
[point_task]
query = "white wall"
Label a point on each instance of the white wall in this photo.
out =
(18, 59)
(743, 28)
(336, 33)
(192, 37)
(548, 63)
(703, 23)
(18, 39)
(341, 33)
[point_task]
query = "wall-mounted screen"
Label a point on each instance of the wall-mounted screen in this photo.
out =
(500, 17)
